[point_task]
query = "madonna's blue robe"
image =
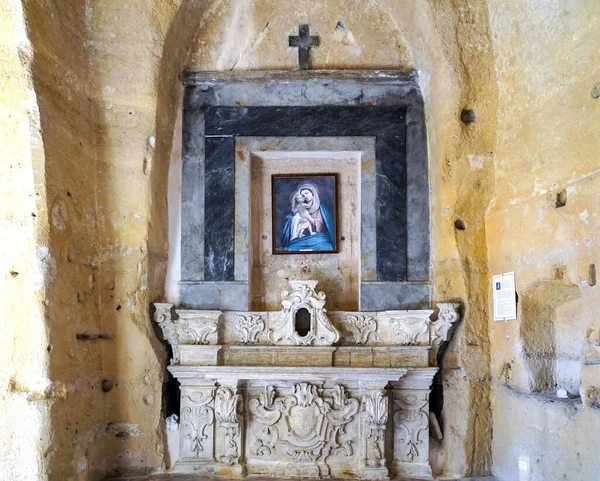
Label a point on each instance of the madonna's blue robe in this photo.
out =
(321, 241)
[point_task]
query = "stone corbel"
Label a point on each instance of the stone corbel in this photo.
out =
(191, 326)
(449, 313)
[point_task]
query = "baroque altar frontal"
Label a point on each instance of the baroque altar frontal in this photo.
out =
(303, 392)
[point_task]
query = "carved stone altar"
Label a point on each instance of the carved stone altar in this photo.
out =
(349, 398)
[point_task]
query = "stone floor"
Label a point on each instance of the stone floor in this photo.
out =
(197, 477)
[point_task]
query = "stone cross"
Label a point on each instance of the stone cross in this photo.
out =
(304, 42)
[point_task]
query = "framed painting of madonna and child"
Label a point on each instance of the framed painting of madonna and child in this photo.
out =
(305, 213)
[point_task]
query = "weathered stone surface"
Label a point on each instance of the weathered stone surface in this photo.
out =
(300, 393)
(107, 96)
(199, 477)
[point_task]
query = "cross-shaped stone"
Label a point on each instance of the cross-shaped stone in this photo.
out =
(304, 42)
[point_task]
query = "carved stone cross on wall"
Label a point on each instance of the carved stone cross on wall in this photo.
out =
(304, 42)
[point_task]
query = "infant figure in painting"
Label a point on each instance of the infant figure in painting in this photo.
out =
(306, 208)
(301, 220)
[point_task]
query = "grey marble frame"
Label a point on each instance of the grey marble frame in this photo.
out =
(219, 107)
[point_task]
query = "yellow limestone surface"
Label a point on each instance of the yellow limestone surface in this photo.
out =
(88, 106)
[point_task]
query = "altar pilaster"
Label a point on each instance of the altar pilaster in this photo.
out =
(375, 408)
(196, 442)
(228, 429)
(411, 424)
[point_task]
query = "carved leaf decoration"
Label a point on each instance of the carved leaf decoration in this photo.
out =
(266, 411)
(362, 327)
(226, 406)
(375, 406)
(267, 396)
(197, 444)
(344, 408)
(248, 328)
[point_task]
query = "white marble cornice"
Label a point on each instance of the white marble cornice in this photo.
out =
(189, 375)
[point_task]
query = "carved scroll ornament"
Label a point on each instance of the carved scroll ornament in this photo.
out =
(197, 416)
(192, 327)
(304, 296)
(303, 426)
(447, 316)
(363, 328)
(411, 418)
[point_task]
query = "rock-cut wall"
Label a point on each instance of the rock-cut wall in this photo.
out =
(543, 224)
(89, 130)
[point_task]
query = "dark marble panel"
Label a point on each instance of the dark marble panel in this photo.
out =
(192, 195)
(329, 121)
(219, 214)
(417, 193)
(390, 171)
(199, 96)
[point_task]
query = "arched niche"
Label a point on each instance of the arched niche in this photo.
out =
(551, 346)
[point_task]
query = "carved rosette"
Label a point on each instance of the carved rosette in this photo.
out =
(375, 409)
(411, 420)
(303, 427)
(248, 328)
(228, 436)
(197, 419)
(303, 295)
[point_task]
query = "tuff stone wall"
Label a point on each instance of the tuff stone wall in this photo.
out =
(547, 142)
(103, 77)
(26, 391)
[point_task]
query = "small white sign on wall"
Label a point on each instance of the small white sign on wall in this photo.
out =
(505, 301)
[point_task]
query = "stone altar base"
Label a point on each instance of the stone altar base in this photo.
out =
(349, 398)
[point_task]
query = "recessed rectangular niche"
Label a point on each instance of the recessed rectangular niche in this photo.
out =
(338, 274)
